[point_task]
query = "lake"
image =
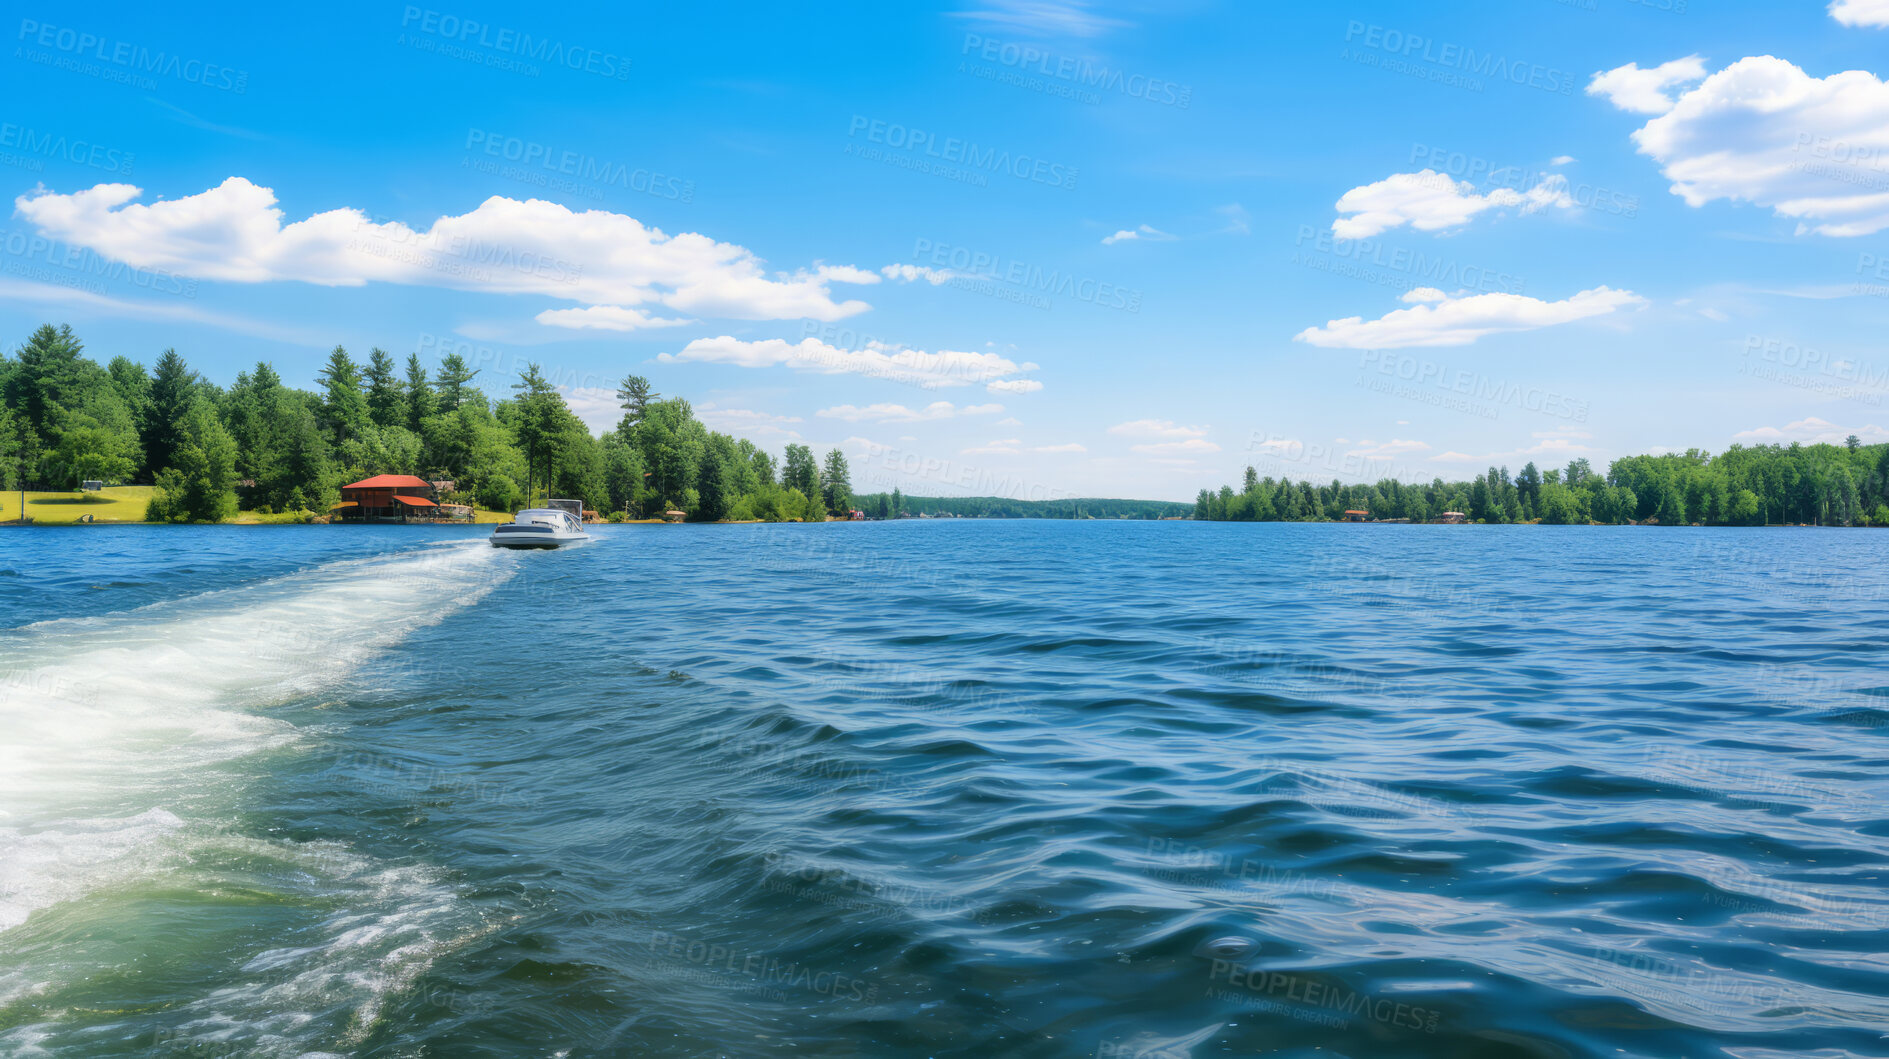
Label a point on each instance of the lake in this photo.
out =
(944, 788)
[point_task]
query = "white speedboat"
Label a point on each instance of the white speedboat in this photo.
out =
(541, 527)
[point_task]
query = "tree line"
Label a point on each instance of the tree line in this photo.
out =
(1760, 485)
(65, 419)
(894, 505)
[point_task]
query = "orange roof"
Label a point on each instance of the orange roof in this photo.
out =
(390, 481)
(416, 501)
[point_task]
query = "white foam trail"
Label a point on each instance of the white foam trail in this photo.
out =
(109, 726)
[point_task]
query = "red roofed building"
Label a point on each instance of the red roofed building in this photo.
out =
(386, 497)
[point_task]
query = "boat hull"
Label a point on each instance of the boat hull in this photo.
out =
(536, 542)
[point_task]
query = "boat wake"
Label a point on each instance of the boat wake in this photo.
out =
(128, 741)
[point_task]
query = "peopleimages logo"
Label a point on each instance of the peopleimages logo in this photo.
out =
(135, 58)
(468, 32)
(579, 166)
(1028, 58)
(32, 142)
(1449, 56)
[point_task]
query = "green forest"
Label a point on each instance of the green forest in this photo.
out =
(881, 505)
(1763, 485)
(65, 419)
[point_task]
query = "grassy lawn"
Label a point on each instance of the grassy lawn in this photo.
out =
(119, 503)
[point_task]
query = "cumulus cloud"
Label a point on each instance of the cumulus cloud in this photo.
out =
(1385, 450)
(898, 413)
(914, 367)
(604, 318)
(1761, 130)
(1860, 12)
(235, 233)
(1812, 430)
(1156, 428)
(1431, 201)
(1646, 91)
(1013, 386)
(1142, 232)
(1457, 320)
(1070, 447)
(746, 421)
(599, 407)
(1453, 456)
(1000, 447)
(1556, 447)
(912, 273)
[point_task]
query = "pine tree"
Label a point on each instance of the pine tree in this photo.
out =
(386, 405)
(344, 409)
(454, 377)
(422, 404)
(173, 385)
(635, 395)
(836, 486)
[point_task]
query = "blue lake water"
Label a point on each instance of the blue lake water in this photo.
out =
(945, 788)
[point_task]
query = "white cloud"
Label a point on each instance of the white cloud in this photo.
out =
(599, 407)
(745, 421)
(898, 413)
(235, 233)
(1238, 222)
(1455, 457)
(1070, 18)
(1645, 91)
(1147, 232)
(41, 295)
(1812, 430)
(1557, 447)
(1562, 159)
(1763, 131)
(1176, 448)
(1430, 201)
(910, 273)
(1001, 447)
(604, 318)
(1010, 421)
(1393, 447)
(930, 370)
(1070, 447)
(1013, 386)
(1156, 428)
(1860, 12)
(1460, 320)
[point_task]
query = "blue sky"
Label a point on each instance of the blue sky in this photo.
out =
(1031, 247)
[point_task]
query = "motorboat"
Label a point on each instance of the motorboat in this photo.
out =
(542, 527)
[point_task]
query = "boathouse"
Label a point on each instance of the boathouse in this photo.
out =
(1357, 516)
(386, 498)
